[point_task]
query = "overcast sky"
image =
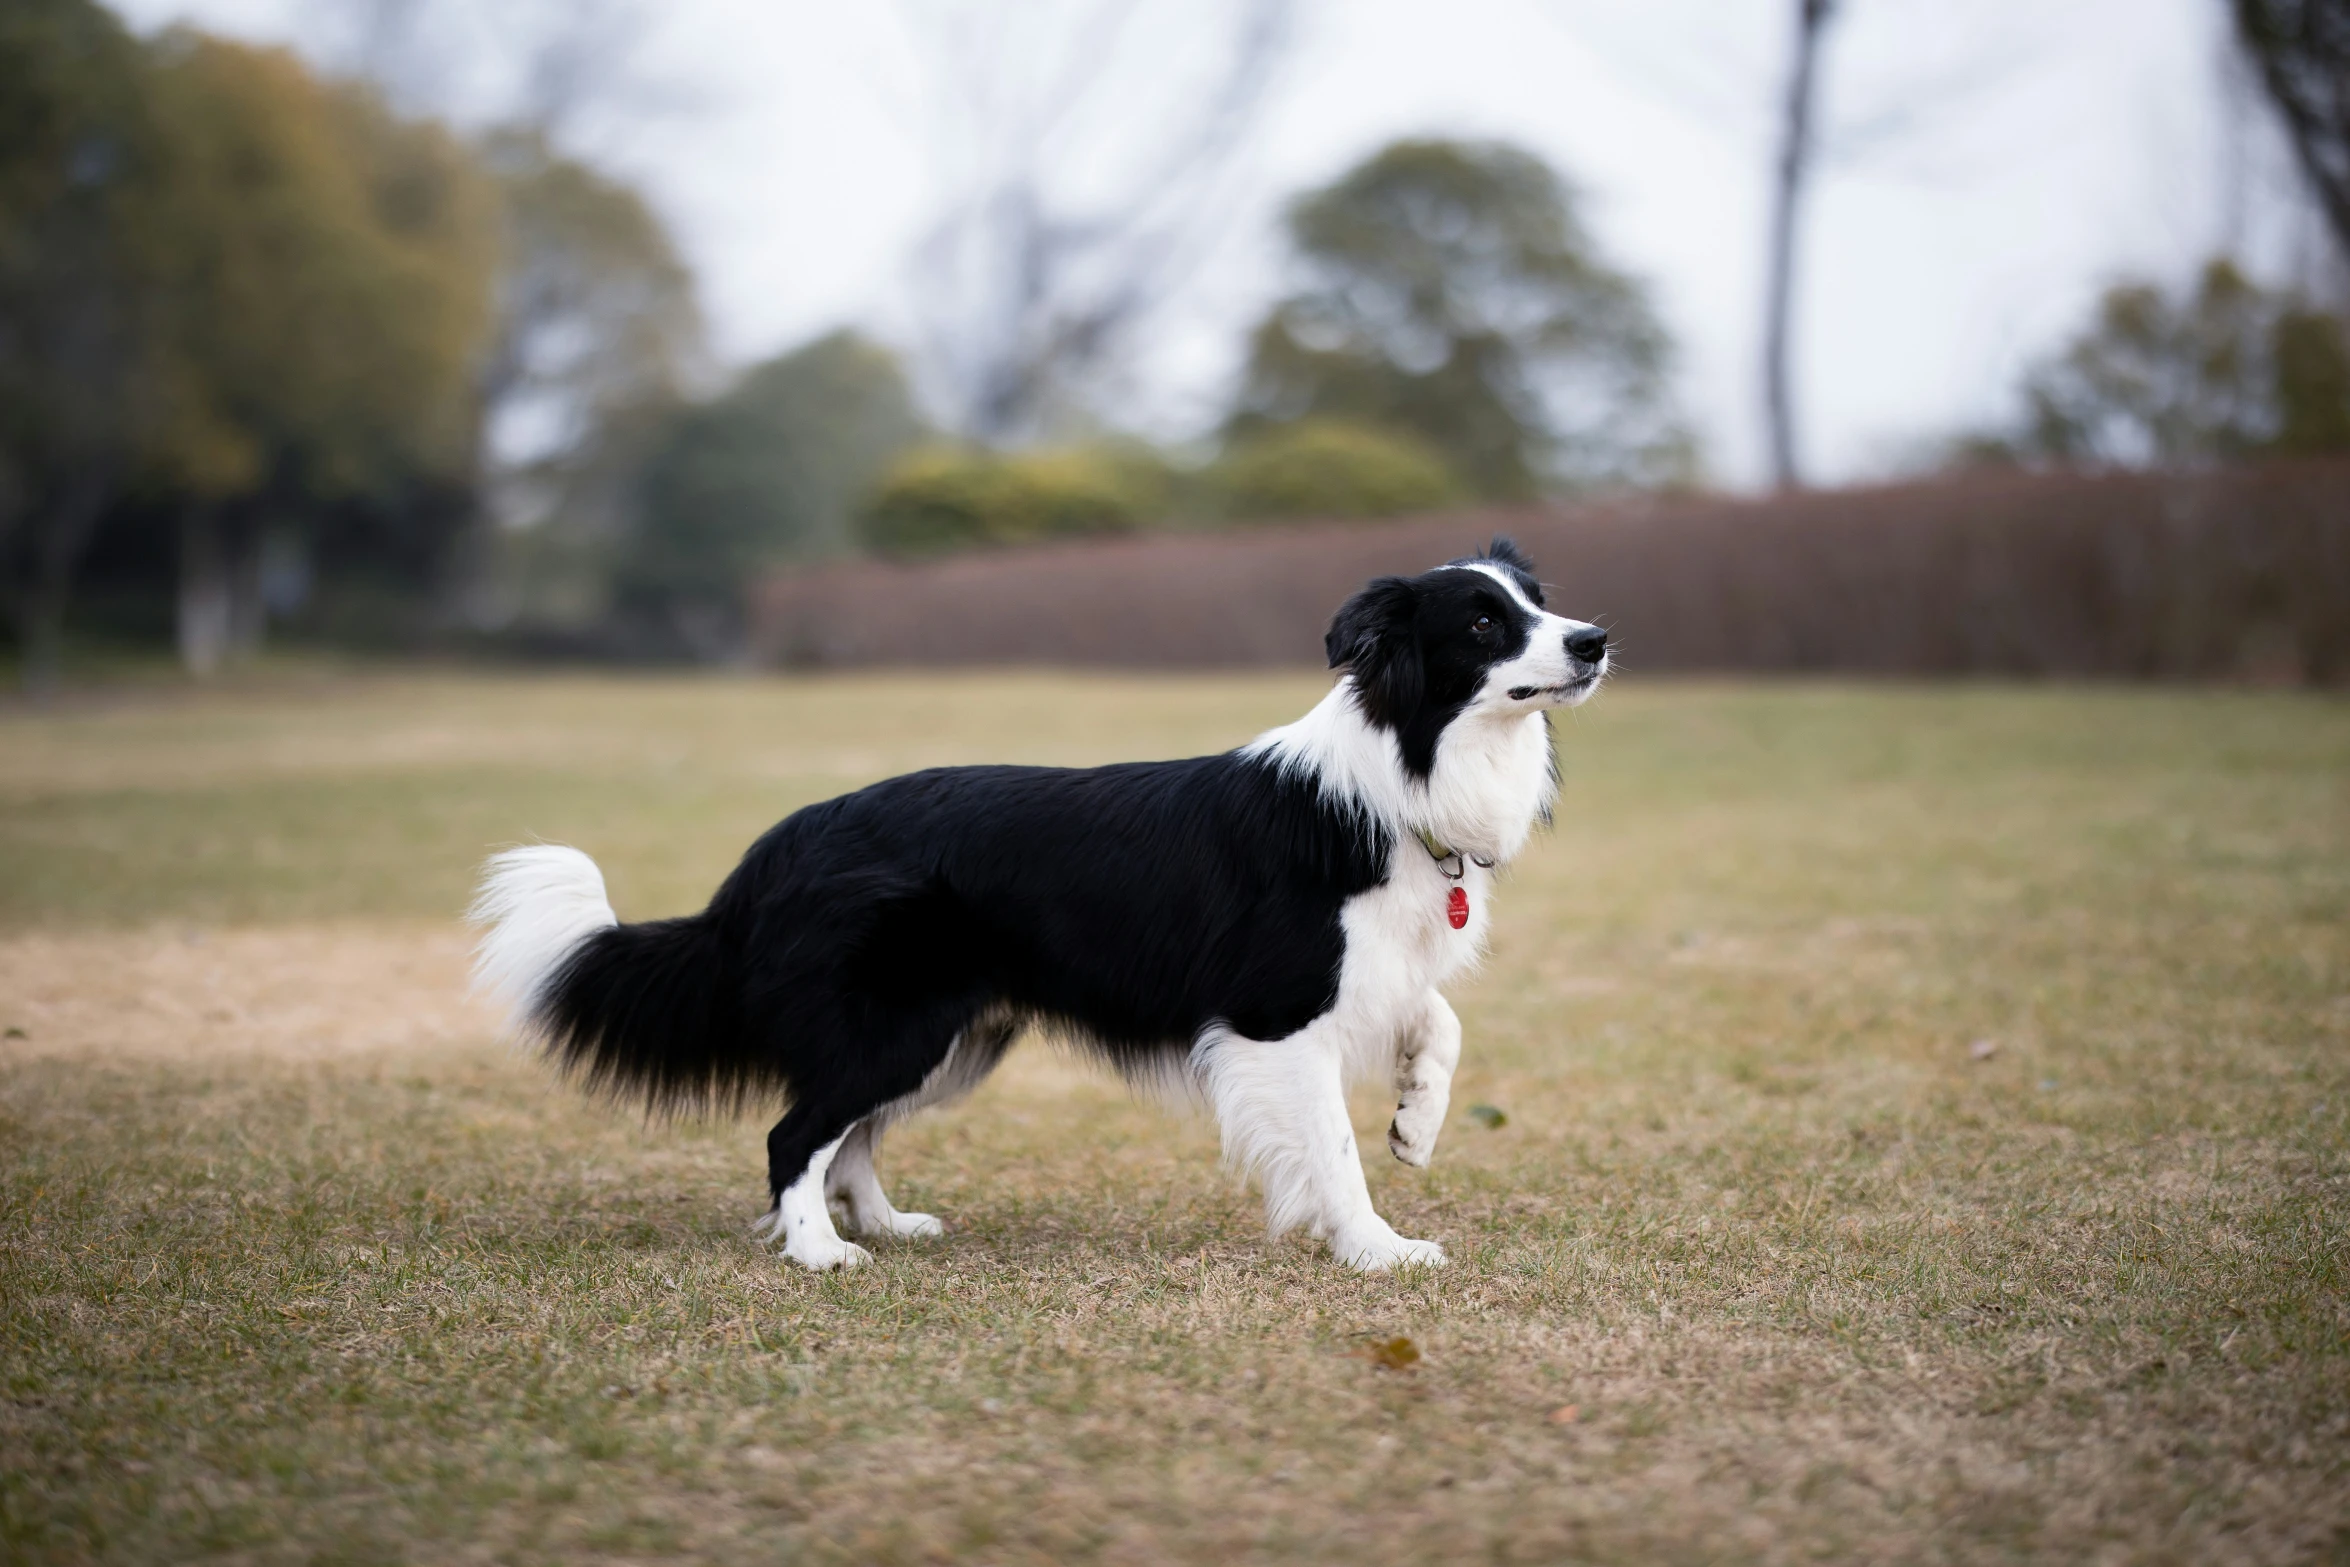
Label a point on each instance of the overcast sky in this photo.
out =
(1991, 164)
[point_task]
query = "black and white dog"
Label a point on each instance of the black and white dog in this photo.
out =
(1261, 927)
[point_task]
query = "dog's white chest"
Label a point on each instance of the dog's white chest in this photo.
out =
(1403, 929)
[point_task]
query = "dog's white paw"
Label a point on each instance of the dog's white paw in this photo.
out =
(1411, 1136)
(819, 1254)
(1377, 1251)
(909, 1226)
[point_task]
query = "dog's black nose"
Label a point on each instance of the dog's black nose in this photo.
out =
(1588, 644)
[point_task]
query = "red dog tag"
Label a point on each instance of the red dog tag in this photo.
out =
(1456, 907)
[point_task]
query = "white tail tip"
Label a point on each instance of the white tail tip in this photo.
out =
(535, 905)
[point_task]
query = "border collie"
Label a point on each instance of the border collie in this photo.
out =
(1261, 927)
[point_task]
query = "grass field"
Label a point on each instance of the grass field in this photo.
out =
(1927, 1139)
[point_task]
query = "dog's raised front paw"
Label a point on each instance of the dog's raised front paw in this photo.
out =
(1411, 1136)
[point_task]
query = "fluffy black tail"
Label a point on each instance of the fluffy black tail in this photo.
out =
(646, 1012)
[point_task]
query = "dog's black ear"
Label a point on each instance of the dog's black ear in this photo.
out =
(1374, 637)
(1504, 551)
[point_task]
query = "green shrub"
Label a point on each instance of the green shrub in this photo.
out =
(946, 498)
(1331, 468)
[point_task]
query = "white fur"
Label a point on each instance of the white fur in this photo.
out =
(1423, 1081)
(1491, 781)
(853, 1186)
(803, 1220)
(1282, 1109)
(852, 1182)
(536, 903)
(842, 1171)
(1282, 1106)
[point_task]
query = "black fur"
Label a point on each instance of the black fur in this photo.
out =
(1135, 904)
(1418, 647)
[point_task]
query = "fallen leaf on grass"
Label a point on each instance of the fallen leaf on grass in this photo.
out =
(1489, 1117)
(1392, 1354)
(1565, 1415)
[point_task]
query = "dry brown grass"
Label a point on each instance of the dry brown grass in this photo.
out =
(297, 1264)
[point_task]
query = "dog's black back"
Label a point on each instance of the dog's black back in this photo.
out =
(860, 937)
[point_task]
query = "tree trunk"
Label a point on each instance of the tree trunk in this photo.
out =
(57, 543)
(206, 596)
(1793, 170)
(248, 613)
(43, 619)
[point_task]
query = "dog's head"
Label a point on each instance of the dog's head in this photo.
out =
(1469, 641)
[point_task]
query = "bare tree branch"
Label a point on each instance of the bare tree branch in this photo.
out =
(547, 64)
(2301, 49)
(1027, 283)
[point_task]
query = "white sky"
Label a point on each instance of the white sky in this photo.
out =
(1993, 163)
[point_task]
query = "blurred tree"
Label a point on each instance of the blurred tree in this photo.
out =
(311, 329)
(1452, 292)
(553, 65)
(1330, 468)
(77, 165)
(1076, 197)
(2309, 355)
(2301, 49)
(599, 334)
(1798, 146)
(945, 498)
(2229, 371)
(596, 324)
(1954, 62)
(325, 276)
(774, 470)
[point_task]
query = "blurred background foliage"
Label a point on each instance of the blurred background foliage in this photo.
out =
(1322, 466)
(2221, 372)
(941, 498)
(1452, 291)
(278, 358)
(775, 469)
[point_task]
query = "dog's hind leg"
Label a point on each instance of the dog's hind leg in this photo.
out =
(911, 1060)
(973, 1054)
(852, 1183)
(1429, 1050)
(800, 1218)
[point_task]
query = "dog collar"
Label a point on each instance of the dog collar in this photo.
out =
(1449, 861)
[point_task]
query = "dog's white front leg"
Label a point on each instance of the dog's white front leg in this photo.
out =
(1282, 1108)
(1424, 1063)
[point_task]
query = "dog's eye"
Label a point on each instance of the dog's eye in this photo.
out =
(1483, 625)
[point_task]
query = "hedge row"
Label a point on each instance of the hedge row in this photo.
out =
(2239, 574)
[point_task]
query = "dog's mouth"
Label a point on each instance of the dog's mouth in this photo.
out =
(1565, 691)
